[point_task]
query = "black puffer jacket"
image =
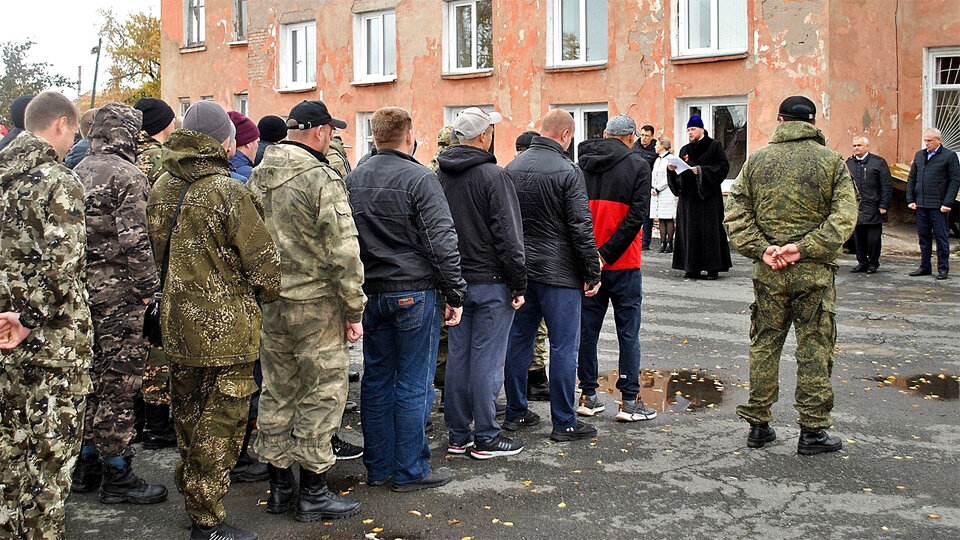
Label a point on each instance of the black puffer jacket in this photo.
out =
(407, 238)
(871, 178)
(557, 227)
(486, 212)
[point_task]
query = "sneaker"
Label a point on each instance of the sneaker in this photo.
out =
(590, 405)
(459, 448)
(573, 433)
(435, 478)
(633, 411)
(220, 532)
(528, 419)
(344, 450)
(498, 446)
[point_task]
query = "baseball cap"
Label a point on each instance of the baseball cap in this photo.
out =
(620, 125)
(798, 107)
(471, 122)
(311, 114)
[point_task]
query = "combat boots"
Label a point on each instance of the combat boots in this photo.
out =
(248, 469)
(283, 490)
(88, 473)
(121, 485)
(158, 428)
(817, 441)
(760, 434)
(318, 502)
(538, 386)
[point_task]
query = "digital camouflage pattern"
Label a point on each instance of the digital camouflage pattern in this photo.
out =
(337, 157)
(120, 273)
(445, 140)
(149, 157)
(794, 190)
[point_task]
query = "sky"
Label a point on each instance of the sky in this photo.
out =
(65, 31)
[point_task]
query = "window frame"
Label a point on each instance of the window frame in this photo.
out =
(555, 39)
(189, 7)
(361, 53)
(241, 103)
(450, 112)
(579, 112)
(286, 75)
(683, 105)
(240, 20)
(183, 103)
(931, 86)
(450, 38)
(364, 135)
(681, 36)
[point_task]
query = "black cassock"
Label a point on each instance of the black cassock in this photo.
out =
(701, 241)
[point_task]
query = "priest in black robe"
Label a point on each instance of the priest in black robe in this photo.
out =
(700, 244)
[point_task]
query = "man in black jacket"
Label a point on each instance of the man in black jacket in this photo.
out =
(486, 214)
(562, 266)
(646, 146)
(408, 246)
(931, 188)
(871, 178)
(618, 185)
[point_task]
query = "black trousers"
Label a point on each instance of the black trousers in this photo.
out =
(867, 239)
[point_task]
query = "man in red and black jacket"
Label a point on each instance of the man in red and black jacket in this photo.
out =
(618, 186)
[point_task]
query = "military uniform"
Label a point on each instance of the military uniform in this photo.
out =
(44, 380)
(445, 140)
(794, 191)
(337, 157)
(222, 267)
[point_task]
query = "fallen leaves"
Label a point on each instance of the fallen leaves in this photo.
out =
(562, 505)
(933, 516)
(367, 521)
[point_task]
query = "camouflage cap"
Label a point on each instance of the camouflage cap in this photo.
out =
(446, 137)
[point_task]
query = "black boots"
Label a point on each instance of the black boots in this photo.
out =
(88, 473)
(760, 434)
(669, 248)
(283, 490)
(817, 441)
(121, 485)
(538, 386)
(318, 502)
(248, 469)
(663, 247)
(158, 428)
(220, 532)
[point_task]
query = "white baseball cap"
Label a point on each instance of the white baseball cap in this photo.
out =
(470, 123)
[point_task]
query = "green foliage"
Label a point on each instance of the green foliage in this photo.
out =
(21, 76)
(134, 49)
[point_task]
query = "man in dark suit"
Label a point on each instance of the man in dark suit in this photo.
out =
(931, 188)
(871, 178)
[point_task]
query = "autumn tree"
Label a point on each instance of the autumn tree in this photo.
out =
(133, 46)
(21, 76)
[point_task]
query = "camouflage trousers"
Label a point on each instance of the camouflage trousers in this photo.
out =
(156, 378)
(41, 422)
(304, 357)
(802, 296)
(119, 355)
(541, 354)
(209, 406)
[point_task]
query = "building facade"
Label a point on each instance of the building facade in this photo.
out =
(884, 68)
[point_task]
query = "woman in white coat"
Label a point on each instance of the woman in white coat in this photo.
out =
(663, 203)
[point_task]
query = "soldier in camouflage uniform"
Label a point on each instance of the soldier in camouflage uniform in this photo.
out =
(790, 210)
(337, 157)
(445, 140)
(46, 335)
(304, 351)
(121, 279)
(222, 267)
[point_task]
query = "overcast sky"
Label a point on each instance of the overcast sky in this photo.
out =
(65, 31)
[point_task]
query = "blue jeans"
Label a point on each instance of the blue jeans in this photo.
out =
(933, 220)
(647, 233)
(478, 348)
(401, 332)
(625, 289)
(560, 308)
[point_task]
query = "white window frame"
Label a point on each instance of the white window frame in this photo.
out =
(189, 8)
(364, 136)
(241, 103)
(930, 84)
(183, 103)
(450, 37)
(579, 112)
(683, 105)
(555, 39)
(360, 52)
(450, 112)
(681, 36)
(206, 98)
(306, 74)
(241, 18)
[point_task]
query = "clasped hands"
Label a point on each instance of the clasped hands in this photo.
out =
(779, 257)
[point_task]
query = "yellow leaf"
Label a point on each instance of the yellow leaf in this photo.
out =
(562, 505)
(884, 528)
(933, 516)
(453, 522)
(599, 462)
(377, 529)
(576, 483)
(868, 490)
(415, 513)
(901, 488)
(428, 516)
(851, 441)
(527, 482)
(367, 521)
(534, 490)
(561, 454)
(508, 524)
(467, 538)
(495, 520)
(577, 471)
(486, 507)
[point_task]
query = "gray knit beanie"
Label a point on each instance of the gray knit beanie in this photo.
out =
(210, 118)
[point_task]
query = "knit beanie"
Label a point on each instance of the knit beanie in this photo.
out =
(18, 108)
(695, 121)
(157, 115)
(210, 118)
(247, 132)
(273, 129)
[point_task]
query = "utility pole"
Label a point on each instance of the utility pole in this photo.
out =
(96, 67)
(79, 83)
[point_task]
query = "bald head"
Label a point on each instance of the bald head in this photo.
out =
(558, 125)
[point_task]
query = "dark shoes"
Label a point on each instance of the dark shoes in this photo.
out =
(378, 482)
(943, 275)
(528, 419)
(121, 485)
(817, 441)
(538, 386)
(669, 248)
(663, 247)
(760, 434)
(220, 532)
(691, 275)
(88, 474)
(318, 502)
(871, 270)
(920, 272)
(344, 450)
(498, 446)
(712, 276)
(248, 470)
(574, 433)
(283, 490)
(353, 376)
(158, 428)
(858, 268)
(435, 478)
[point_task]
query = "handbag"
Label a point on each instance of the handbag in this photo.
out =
(151, 317)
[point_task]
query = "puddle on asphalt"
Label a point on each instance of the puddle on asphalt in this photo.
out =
(936, 386)
(674, 390)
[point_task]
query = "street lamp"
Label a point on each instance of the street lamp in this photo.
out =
(96, 67)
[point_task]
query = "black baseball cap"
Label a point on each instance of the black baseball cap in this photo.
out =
(311, 114)
(798, 107)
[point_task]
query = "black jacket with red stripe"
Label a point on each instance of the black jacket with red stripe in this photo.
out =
(618, 186)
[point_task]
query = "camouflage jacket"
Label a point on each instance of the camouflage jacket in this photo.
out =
(120, 265)
(445, 140)
(337, 158)
(43, 268)
(149, 157)
(308, 214)
(223, 263)
(795, 190)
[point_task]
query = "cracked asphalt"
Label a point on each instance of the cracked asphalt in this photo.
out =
(687, 473)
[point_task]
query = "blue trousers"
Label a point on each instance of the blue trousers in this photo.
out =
(932, 224)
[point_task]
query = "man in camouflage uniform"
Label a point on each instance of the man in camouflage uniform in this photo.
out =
(337, 157)
(222, 267)
(790, 210)
(121, 279)
(304, 353)
(46, 337)
(445, 140)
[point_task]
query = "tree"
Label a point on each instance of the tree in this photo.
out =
(21, 77)
(134, 49)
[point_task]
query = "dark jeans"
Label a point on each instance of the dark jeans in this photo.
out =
(868, 242)
(625, 289)
(932, 223)
(401, 332)
(647, 233)
(560, 308)
(478, 349)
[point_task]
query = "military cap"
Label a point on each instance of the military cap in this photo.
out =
(799, 108)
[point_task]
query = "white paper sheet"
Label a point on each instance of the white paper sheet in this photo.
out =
(680, 164)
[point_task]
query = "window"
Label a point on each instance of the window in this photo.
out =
(183, 104)
(206, 98)
(194, 27)
(589, 122)
(364, 135)
(240, 20)
(469, 35)
(942, 95)
(578, 32)
(376, 54)
(725, 119)
(298, 55)
(241, 103)
(710, 27)
(450, 113)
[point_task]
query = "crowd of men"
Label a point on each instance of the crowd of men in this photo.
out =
(266, 255)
